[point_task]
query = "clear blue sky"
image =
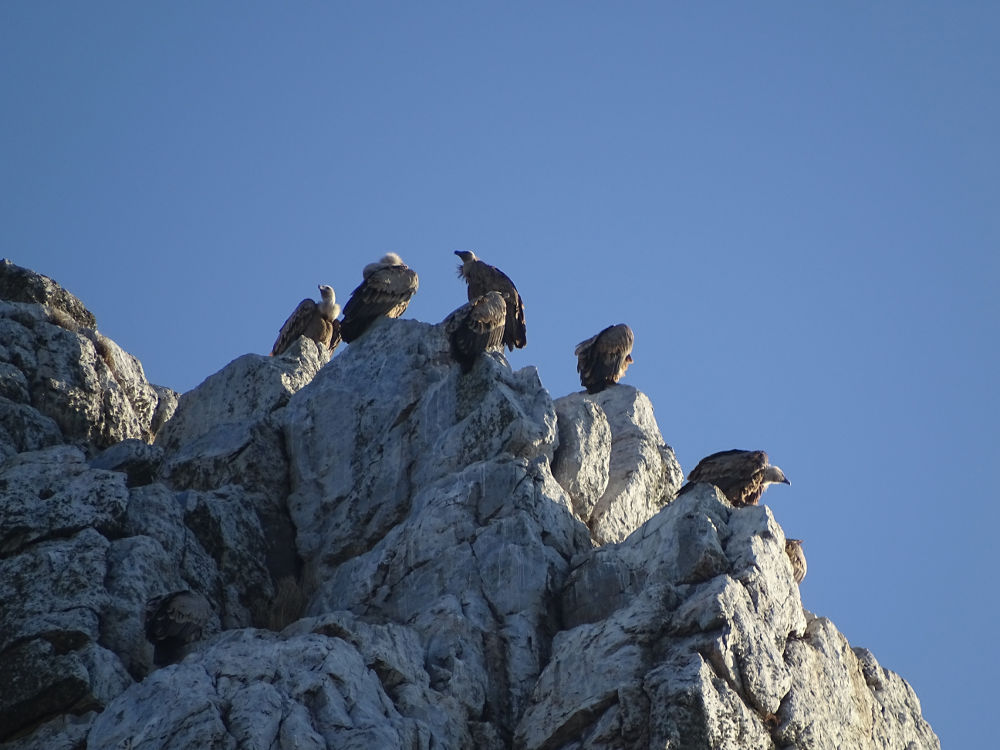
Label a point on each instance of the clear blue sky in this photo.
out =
(794, 205)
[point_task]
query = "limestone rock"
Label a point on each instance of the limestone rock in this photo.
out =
(23, 428)
(24, 285)
(612, 460)
(690, 633)
(226, 433)
(432, 503)
(401, 525)
(59, 376)
(137, 459)
(245, 391)
(582, 462)
(390, 417)
(80, 555)
(52, 494)
(865, 705)
(256, 689)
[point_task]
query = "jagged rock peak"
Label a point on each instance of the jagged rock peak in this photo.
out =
(60, 379)
(391, 562)
(19, 284)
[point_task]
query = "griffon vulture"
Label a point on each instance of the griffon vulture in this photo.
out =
(603, 359)
(482, 278)
(173, 621)
(793, 548)
(317, 322)
(385, 292)
(477, 327)
(741, 475)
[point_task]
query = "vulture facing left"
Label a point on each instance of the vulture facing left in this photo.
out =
(741, 475)
(317, 322)
(385, 292)
(481, 278)
(603, 359)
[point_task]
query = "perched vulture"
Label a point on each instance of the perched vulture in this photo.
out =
(793, 548)
(482, 278)
(386, 291)
(477, 327)
(173, 621)
(317, 322)
(603, 359)
(741, 475)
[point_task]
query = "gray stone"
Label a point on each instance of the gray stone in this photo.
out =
(64, 732)
(864, 705)
(24, 285)
(55, 362)
(402, 526)
(613, 461)
(53, 493)
(582, 462)
(244, 392)
(256, 689)
(137, 459)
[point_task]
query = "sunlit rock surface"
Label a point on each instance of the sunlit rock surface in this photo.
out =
(396, 556)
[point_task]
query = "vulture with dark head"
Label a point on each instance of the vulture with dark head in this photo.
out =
(477, 327)
(741, 475)
(793, 548)
(317, 322)
(173, 621)
(603, 359)
(385, 292)
(482, 278)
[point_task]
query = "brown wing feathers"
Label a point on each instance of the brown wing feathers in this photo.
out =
(603, 359)
(478, 327)
(481, 278)
(385, 292)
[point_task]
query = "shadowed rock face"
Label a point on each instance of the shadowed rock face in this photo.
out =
(61, 380)
(392, 561)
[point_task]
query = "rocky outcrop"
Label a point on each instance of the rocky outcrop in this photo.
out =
(690, 633)
(61, 380)
(400, 555)
(613, 462)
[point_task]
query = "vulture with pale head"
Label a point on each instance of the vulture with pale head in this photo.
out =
(316, 322)
(385, 292)
(603, 359)
(482, 278)
(477, 327)
(793, 548)
(741, 475)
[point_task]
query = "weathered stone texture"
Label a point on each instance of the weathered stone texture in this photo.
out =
(613, 461)
(441, 560)
(60, 377)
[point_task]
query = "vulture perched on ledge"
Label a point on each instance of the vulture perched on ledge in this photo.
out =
(793, 548)
(603, 359)
(385, 292)
(482, 278)
(317, 322)
(477, 327)
(742, 476)
(173, 621)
